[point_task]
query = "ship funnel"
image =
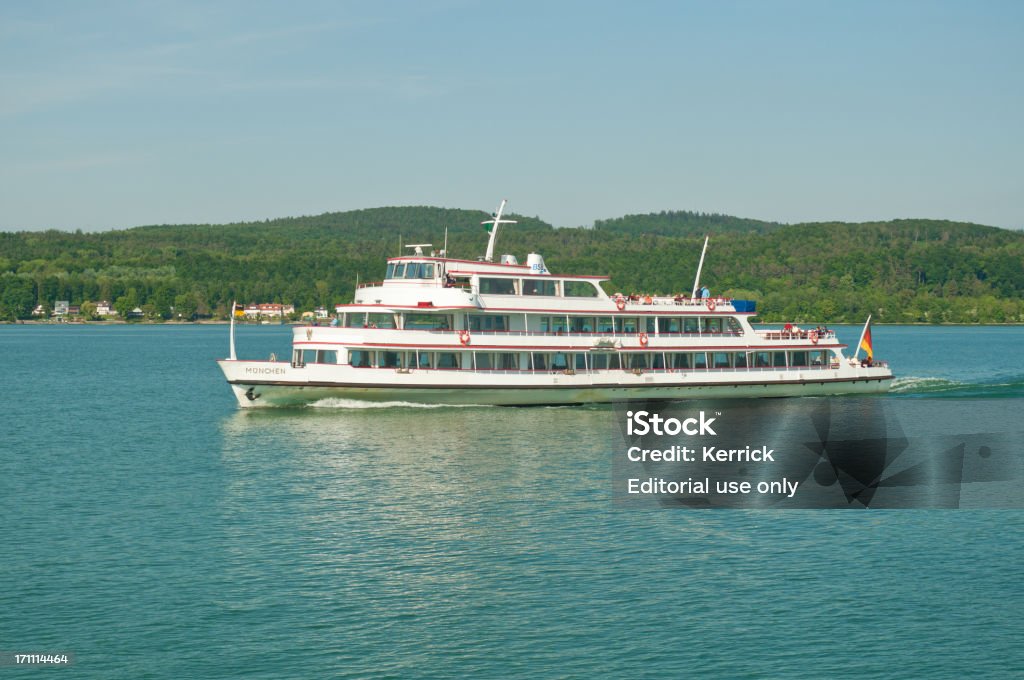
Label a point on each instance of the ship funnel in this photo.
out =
(509, 259)
(536, 264)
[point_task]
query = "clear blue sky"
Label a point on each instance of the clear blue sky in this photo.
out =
(116, 114)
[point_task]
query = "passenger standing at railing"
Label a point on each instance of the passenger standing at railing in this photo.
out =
(705, 293)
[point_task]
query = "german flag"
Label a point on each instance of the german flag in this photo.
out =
(865, 340)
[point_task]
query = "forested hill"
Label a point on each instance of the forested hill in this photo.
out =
(900, 271)
(681, 223)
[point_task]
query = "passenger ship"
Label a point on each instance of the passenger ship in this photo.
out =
(440, 330)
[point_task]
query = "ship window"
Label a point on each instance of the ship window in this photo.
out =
(658, 361)
(320, 356)
(761, 360)
(399, 271)
(359, 358)
(798, 359)
(599, 361)
(355, 319)
(605, 324)
(390, 359)
(741, 360)
(581, 362)
(447, 360)
(540, 361)
(779, 359)
(700, 360)
(681, 360)
(817, 357)
(637, 360)
(424, 360)
(553, 324)
(720, 360)
(668, 324)
(583, 324)
(378, 320)
(497, 286)
(488, 322)
(419, 270)
(691, 324)
(613, 361)
(391, 271)
(507, 361)
(650, 324)
(559, 361)
(428, 321)
(711, 324)
(483, 360)
(538, 287)
(579, 289)
(625, 324)
(733, 326)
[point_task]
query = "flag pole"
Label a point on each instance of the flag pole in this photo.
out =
(231, 334)
(863, 332)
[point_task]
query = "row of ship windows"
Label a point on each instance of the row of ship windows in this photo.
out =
(558, 361)
(493, 286)
(551, 324)
(544, 287)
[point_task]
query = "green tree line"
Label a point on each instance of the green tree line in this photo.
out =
(900, 271)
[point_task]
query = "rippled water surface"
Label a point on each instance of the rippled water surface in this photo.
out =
(156, 531)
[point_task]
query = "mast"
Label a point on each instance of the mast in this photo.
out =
(696, 279)
(489, 257)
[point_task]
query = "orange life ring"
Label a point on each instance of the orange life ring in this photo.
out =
(710, 304)
(643, 339)
(813, 337)
(464, 337)
(620, 304)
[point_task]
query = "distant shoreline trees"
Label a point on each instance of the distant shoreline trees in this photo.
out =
(902, 271)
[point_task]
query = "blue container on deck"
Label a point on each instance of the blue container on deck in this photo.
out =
(744, 305)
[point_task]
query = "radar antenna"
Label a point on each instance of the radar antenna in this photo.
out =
(495, 223)
(418, 246)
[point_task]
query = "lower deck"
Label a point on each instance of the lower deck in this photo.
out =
(257, 383)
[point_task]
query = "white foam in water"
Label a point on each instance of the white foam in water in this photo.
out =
(912, 383)
(334, 402)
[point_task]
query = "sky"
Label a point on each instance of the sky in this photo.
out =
(119, 114)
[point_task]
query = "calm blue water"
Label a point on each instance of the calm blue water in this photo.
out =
(155, 531)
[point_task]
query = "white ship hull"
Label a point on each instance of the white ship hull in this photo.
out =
(262, 384)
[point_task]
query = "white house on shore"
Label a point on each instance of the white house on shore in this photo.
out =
(267, 310)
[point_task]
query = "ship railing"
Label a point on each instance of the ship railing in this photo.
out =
(680, 300)
(796, 335)
(569, 371)
(591, 334)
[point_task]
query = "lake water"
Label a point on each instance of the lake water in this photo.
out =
(153, 530)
